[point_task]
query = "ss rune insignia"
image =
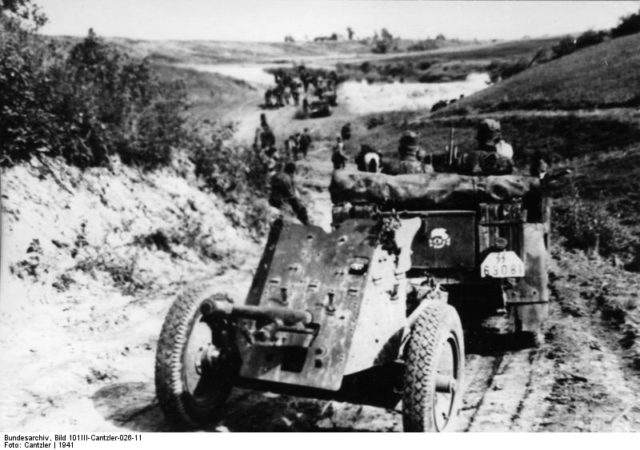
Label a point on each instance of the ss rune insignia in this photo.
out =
(439, 238)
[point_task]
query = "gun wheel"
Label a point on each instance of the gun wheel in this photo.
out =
(194, 368)
(434, 364)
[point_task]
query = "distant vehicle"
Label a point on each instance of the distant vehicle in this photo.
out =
(317, 108)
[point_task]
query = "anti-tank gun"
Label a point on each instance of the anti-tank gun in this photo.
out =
(365, 313)
(327, 315)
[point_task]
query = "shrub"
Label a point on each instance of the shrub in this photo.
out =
(230, 171)
(565, 46)
(589, 38)
(589, 226)
(84, 104)
(500, 70)
(628, 25)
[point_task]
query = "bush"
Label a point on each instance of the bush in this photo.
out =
(85, 104)
(565, 46)
(501, 70)
(628, 25)
(590, 227)
(229, 171)
(589, 38)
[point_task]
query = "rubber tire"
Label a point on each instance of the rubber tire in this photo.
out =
(173, 396)
(431, 331)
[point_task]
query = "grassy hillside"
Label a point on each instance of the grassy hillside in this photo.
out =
(603, 76)
(210, 95)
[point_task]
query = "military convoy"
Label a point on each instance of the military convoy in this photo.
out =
(367, 313)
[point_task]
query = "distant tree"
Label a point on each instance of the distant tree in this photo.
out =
(333, 37)
(441, 37)
(565, 46)
(350, 33)
(385, 35)
(589, 38)
(30, 13)
(628, 25)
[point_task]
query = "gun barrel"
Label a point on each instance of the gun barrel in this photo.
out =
(287, 315)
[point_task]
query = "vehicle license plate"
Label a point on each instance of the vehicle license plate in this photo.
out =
(502, 265)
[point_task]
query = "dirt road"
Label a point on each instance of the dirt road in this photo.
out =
(87, 363)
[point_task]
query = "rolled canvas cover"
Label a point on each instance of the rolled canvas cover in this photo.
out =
(418, 191)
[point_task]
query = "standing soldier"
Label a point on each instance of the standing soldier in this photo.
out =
(345, 132)
(283, 190)
(305, 106)
(408, 151)
(295, 92)
(305, 142)
(489, 139)
(339, 157)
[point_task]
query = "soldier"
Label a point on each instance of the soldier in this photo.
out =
(304, 142)
(339, 157)
(306, 81)
(263, 121)
(283, 190)
(292, 146)
(489, 139)
(493, 156)
(267, 138)
(408, 151)
(286, 92)
(267, 98)
(305, 106)
(345, 132)
(295, 92)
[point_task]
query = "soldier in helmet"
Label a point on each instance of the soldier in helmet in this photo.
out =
(304, 142)
(493, 156)
(409, 153)
(489, 139)
(283, 190)
(339, 157)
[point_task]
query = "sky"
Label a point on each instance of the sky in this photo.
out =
(271, 20)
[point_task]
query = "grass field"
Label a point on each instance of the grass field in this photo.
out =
(606, 75)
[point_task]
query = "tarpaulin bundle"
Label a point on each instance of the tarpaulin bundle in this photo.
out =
(429, 190)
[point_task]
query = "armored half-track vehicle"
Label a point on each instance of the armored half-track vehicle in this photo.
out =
(364, 314)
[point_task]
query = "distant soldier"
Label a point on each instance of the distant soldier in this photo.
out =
(283, 190)
(306, 81)
(267, 138)
(292, 147)
(333, 80)
(368, 160)
(279, 94)
(305, 142)
(493, 156)
(267, 98)
(345, 132)
(263, 121)
(408, 151)
(305, 106)
(295, 92)
(339, 157)
(489, 139)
